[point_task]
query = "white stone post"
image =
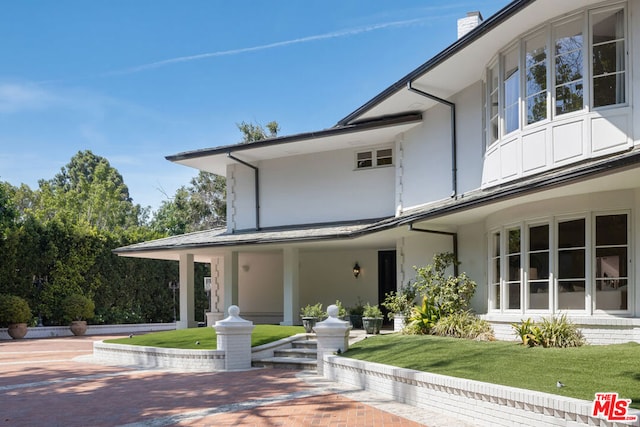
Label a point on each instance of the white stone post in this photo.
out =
(234, 338)
(332, 335)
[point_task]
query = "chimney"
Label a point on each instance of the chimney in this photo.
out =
(468, 23)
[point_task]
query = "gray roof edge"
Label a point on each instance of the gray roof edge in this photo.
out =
(488, 24)
(380, 122)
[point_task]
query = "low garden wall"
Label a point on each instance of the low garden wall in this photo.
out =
(474, 402)
(597, 331)
(63, 331)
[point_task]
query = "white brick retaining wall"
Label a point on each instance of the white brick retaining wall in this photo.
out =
(474, 402)
(154, 357)
(63, 331)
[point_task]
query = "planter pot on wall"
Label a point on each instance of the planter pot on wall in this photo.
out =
(309, 323)
(17, 330)
(356, 321)
(372, 325)
(78, 327)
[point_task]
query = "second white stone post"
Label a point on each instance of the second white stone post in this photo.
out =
(332, 335)
(234, 338)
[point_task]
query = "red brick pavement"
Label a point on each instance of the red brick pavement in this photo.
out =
(42, 385)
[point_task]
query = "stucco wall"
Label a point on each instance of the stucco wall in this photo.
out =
(328, 275)
(260, 279)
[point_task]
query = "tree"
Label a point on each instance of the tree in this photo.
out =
(202, 205)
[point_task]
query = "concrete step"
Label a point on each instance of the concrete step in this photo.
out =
(309, 353)
(301, 363)
(308, 343)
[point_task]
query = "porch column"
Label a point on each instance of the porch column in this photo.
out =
(230, 274)
(291, 275)
(187, 295)
(217, 291)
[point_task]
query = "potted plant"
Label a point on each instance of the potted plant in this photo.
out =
(399, 305)
(342, 312)
(372, 319)
(14, 314)
(77, 309)
(310, 315)
(355, 314)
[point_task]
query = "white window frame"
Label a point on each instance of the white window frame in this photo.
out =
(375, 158)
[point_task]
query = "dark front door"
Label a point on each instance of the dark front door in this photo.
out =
(386, 277)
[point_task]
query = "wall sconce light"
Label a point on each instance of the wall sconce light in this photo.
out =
(356, 270)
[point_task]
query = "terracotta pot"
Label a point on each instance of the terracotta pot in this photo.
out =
(78, 327)
(17, 330)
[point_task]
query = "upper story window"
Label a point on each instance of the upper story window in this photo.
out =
(374, 158)
(572, 65)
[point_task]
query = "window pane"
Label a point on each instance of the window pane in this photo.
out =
(611, 230)
(496, 270)
(611, 295)
(568, 37)
(536, 64)
(537, 108)
(571, 295)
(496, 244)
(384, 157)
(539, 295)
(571, 264)
(513, 291)
(607, 26)
(514, 268)
(539, 238)
(569, 67)
(364, 160)
(608, 90)
(539, 266)
(569, 98)
(511, 91)
(608, 58)
(611, 262)
(514, 241)
(496, 296)
(571, 234)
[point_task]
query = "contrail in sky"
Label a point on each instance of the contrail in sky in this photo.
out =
(335, 34)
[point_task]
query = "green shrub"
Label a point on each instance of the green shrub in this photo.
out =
(372, 311)
(400, 302)
(422, 318)
(357, 309)
(551, 332)
(77, 307)
(14, 309)
(449, 294)
(463, 325)
(342, 312)
(314, 310)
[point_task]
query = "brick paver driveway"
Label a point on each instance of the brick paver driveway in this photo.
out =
(45, 382)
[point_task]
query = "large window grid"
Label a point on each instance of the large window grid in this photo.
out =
(577, 263)
(550, 72)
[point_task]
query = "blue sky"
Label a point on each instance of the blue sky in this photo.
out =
(134, 81)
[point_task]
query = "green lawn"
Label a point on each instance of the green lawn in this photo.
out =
(187, 338)
(584, 370)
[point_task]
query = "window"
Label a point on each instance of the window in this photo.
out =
(607, 32)
(571, 264)
(536, 78)
(374, 158)
(568, 66)
(564, 67)
(538, 271)
(495, 271)
(611, 251)
(514, 275)
(561, 265)
(511, 83)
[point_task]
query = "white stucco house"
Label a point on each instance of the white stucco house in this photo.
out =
(517, 147)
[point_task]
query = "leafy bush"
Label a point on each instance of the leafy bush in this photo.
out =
(372, 311)
(14, 309)
(400, 302)
(314, 310)
(342, 312)
(449, 294)
(77, 307)
(551, 332)
(463, 325)
(357, 309)
(422, 318)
